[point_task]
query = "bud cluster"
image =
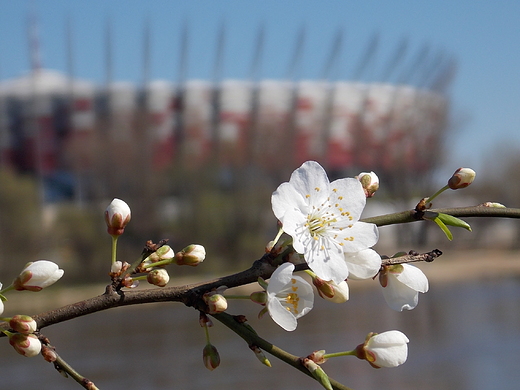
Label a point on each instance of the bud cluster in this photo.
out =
(35, 276)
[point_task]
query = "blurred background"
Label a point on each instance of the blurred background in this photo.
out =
(194, 112)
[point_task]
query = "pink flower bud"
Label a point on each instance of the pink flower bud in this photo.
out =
(191, 255)
(462, 178)
(25, 344)
(369, 182)
(117, 216)
(49, 354)
(158, 277)
(23, 324)
(210, 357)
(38, 275)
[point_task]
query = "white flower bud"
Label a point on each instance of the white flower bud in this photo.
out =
(216, 303)
(23, 324)
(387, 349)
(158, 277)
(370, 183)
(25, 344)
(38, 275)
(117, 216)
(462, 178)
(331, 291)
(191, 255)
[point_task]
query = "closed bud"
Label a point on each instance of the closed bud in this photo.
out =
(318, 356)
(369, 182)
(317, 372)
(210, 357)
(260, 355)
(259, 297)
(23, 324)
(117, 216)
(37, 275)
(158, 277)
(462, 178)
(216, 303)
(387, 349)
(331, 291)
(493, 204)
(193, 255)
(49, 354)
(25, 344)
(165, 252)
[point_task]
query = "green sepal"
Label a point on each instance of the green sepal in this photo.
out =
(3, 298)
(262, 283)
(453, 221)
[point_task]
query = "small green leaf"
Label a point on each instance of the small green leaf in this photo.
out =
(453, 221)
(443, 227)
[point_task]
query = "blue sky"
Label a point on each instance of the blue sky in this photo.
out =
(483, 37)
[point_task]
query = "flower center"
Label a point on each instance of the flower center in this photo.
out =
(325, 217)
(292, 299)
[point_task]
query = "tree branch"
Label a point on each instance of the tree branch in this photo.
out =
(251, 338)
(414, 215)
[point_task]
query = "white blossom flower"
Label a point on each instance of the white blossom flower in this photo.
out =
(38, 275)
(364, 264)
(289, 297)
(402, 284)
(323, 219)
(387, 349)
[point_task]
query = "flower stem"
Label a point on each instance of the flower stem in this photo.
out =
(237, 296)
(3, 291)
(114, 248)
(437, 193)
(336, 354)
(206, 330)
(161, 263)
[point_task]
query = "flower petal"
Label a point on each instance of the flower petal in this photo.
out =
(365, 235)
(364, 264)
(280, 277)
(355, 202)
(399, 296)
(311, 178)
(286, 198)
(281, 315)
(413, 277)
